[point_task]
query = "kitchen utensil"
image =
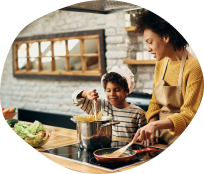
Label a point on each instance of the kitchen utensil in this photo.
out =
(120, 151)
(94, 134)
(131, 154)
(95, 109)
(10, 115)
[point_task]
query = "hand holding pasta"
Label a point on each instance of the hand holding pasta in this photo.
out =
(90, 94)
(88, 118)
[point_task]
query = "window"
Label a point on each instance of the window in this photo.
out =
(65, 55)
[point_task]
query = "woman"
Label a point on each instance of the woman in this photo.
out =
(178, 81)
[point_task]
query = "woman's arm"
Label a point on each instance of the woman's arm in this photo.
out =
(162, 124)
(154, 118)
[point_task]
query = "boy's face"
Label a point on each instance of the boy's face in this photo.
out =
(116, 95)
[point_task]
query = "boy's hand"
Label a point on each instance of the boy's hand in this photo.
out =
(90, 94)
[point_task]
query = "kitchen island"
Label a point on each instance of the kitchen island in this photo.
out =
(62, 136)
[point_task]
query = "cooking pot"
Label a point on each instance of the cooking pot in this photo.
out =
(95, 134)
(131, 155)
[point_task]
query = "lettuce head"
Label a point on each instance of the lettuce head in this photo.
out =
(29, 131)
(36, 126)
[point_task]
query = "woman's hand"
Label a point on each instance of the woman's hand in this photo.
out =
(90, 94)
(146, 133)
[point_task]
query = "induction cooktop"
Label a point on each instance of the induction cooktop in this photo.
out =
(80, 155)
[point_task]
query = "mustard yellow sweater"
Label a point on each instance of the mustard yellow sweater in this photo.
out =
(193, 85)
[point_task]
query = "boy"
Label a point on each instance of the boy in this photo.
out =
(117, 83)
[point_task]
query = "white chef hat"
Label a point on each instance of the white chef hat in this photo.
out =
(124, 72)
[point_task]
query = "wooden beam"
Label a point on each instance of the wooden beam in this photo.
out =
(139, 62)
(83, 59)
(67, 59)
(15, 57)
(39, 58)
(73, 55)
(91, 55)
(47, 72)
(53, 59)
(99, 54)
(28, 60)
(59, 39)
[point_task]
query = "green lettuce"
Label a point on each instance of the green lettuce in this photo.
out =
(40, 128)
(22, 129)
(36, 127)
(30, 133)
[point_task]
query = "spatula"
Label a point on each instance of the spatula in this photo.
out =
(120, 151)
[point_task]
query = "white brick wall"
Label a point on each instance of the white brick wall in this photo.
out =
(54, 96)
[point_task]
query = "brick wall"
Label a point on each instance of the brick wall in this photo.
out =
(54, 96)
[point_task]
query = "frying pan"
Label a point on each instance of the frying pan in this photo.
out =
(131, 154)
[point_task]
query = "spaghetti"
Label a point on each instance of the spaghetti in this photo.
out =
(88, 118)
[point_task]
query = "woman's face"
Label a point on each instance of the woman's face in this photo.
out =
(158, 46)
(116, 95)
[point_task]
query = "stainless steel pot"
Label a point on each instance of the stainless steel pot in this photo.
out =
(94, 134)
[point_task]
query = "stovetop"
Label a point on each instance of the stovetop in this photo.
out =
(75, 153)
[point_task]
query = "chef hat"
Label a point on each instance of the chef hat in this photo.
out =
(124, 72)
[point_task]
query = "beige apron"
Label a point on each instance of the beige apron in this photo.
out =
(170, 99)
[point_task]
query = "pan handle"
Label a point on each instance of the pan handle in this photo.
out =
(110, 123)
(149, 149)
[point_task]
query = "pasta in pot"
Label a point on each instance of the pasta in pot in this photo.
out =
(88, 118)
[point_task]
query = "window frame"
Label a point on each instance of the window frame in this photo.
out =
(68, 74)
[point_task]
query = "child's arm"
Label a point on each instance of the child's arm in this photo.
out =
(83, 100)
(90, 94)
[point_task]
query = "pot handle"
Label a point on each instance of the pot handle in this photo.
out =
(72, 119)
(110, 123)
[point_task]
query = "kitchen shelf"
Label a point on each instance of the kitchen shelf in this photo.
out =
(139, 62)
(132, 28)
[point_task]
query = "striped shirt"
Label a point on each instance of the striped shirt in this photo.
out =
(131, 118)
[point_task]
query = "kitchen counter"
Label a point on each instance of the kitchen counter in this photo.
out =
(62, 137)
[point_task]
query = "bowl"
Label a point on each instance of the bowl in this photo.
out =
(10, 115)
(39, 141)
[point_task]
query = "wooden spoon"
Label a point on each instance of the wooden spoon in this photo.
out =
(120, 151)
(95, 108)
